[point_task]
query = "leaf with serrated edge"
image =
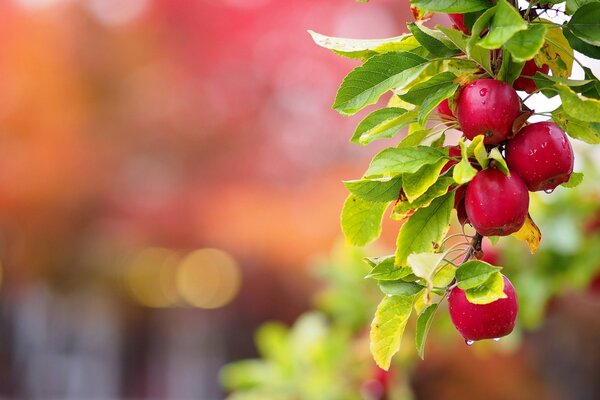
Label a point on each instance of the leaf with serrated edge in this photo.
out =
(415, 185)
(589, 132)
(388, 326)
(505, 24)
(530, 233)
(356, 48)
(423, 325)
(474, 273)
(488, 292)
(399, 288)
(439, 188)
(525, 45)
(577, 106)
(361, 220)
(382, 124)
(384, 269)
(376, 190)
(365, 84)
(425, 229)
(405, 160)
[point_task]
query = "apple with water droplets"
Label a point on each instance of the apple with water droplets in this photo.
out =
(488, 107)
(496, 204)
(542, 155)
(483, 321)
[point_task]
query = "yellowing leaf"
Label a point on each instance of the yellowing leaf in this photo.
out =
(388, 326)
(530, 233)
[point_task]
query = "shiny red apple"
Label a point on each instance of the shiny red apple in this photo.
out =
(529, 69)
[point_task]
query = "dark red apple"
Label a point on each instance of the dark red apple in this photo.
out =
(445, 113)
(529, 69)
(453, 152)
(459, 22)
(542, 155)
(488, 107)
(496, 204)
(459, 205)
(484, 321)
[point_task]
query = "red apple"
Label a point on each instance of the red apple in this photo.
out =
(542, 155)
(454, 152)
(483, 321)
(488, 107)
(445, 113)
(459, 22)
(459, 205)
(529, 69)
(496, 204)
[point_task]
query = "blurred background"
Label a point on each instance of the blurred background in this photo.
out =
(170, 171)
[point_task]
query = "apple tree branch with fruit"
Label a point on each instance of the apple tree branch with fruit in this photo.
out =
(464, 78)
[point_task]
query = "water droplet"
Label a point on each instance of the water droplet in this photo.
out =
(483, 92)
(548, 191)
(496, 339)
(469, 342)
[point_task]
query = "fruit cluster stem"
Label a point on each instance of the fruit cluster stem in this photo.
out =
(475, 245)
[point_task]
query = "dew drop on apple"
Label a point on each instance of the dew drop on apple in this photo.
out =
(469, 342)
(496, 339)
(548, 191)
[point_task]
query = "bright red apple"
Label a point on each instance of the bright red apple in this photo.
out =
(529, 69)
(542, 155)
(459, 22)
(488, 107)
(459, 204)
(484, 321)
(496, 204)
(453, 152)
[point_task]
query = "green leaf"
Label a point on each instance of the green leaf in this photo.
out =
(581, 46)
(506, 22)
(573, 5)
(425, 229)
(500, 161)
(524, 45)
(425, 265)
(247, 374)
(588, 132)
(436, 47)
(510, 70)
(479, 26)
(414, 138)
(432, 101)
(375, 190)
(574, 180)
(474, 273)
(365, 84)
(388, 326)
(399, 288)
(361, 220)
(577, 106)
(585, 23)
(421, 91)
(423, 325)
(444, 276)
(480, 55)
(488, 292)
(382, 124)
(452, 6)
(404, 160)
(361, 48)
(418, 183)
(463, 171)
(385, 270)
(439, 188)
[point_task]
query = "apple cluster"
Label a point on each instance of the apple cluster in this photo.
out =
(539, 158)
